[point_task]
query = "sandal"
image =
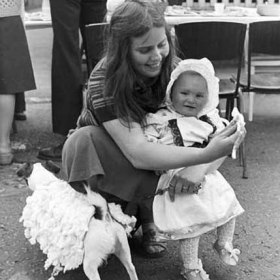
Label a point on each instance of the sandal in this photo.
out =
(153, 245)
(226, 253)
(195, 274)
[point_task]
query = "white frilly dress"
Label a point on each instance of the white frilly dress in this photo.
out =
(191, 215)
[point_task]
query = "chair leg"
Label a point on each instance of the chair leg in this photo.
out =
(229, 107)
(242, 148)
(240, 102)
(243, 159)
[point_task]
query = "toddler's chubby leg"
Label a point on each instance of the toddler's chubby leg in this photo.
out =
(223, 245)
(192, 267)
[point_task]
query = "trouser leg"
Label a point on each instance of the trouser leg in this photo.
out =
(93, 11)
(66, 65)
(20, 106)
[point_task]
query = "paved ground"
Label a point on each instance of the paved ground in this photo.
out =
(257, 232)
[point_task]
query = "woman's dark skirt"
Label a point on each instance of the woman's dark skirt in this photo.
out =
(91, 151)
(16, 73)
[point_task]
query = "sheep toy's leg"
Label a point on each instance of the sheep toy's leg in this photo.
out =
(99, 243)
(93, 258)
(122, 251)
(91, 269)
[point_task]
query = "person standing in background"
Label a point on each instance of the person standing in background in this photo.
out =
(16, 72)
(68, 17)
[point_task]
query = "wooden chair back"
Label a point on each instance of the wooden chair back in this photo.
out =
(218, 41)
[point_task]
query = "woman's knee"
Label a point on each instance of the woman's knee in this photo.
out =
(77, 144)
(82, 136)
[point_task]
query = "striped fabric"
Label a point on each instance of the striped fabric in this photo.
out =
(98, 108)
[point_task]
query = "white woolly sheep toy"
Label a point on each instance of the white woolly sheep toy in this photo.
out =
(62, 221)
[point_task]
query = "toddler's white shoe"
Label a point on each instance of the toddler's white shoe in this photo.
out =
(195, 274)
(226, 253)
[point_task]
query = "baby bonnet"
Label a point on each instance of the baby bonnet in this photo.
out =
(205, 68)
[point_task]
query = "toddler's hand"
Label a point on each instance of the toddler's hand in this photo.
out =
(180, 183)
(222, 143)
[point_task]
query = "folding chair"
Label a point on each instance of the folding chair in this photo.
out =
(263, 45)
(222, 43)
(94, 43)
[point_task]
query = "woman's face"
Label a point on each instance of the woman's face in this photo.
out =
(189, 94)
(149, 51)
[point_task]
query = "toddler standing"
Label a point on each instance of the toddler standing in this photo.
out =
(190, 118)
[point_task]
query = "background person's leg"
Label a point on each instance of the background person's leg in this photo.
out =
(66, 65)
(66, 71)
(93, 11)
(68, 16)
(7, 107)
(20, 107)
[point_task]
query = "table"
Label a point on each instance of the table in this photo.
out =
(175, 19)
(178, 19)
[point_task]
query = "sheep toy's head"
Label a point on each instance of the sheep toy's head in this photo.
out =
(25, 170)
(36, 175)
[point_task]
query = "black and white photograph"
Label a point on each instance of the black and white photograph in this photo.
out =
(139, 140)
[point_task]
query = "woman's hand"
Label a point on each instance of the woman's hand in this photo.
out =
(180, 183)
(222, 143)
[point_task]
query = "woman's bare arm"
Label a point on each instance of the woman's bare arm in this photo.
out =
(152, 156)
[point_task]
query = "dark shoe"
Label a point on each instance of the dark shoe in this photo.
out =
(20, 117)
(51, 153)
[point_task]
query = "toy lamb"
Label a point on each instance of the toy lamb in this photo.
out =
(63, 222)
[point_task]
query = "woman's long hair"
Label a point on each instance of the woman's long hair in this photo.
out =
(132, 19)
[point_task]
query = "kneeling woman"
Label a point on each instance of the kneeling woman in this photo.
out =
(109, 150)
